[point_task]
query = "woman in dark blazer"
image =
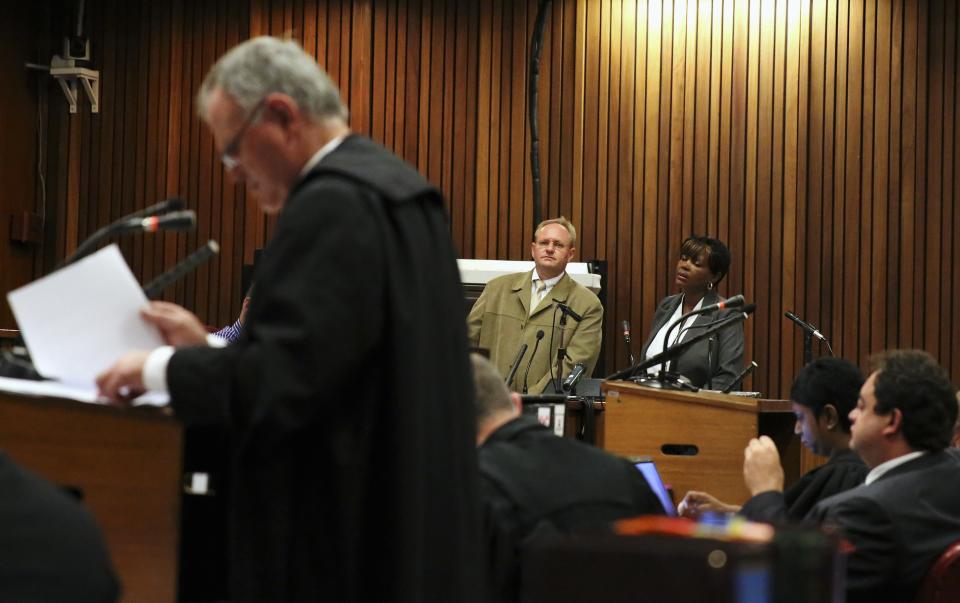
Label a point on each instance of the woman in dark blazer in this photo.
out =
(703, 264)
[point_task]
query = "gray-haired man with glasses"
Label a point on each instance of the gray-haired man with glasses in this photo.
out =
(348, 395)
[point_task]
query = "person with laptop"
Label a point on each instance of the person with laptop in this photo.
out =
(534, 484)
(822, 395)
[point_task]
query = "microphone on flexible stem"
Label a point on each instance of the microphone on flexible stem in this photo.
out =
(529, 362)
(169, 205)
(516, 364)
(154, 288)
(567, 310)
(731, 302)
(627, 341)
(178, 220)
(743, 375)
(809, 328)
(166, 206)
(573, 378)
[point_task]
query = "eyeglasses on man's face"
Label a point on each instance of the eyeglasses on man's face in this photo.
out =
(229, 154)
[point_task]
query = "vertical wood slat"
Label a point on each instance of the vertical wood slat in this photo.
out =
(816, 138)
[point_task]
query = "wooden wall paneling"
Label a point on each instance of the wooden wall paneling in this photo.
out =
(574, 209)
(672, 140)
(485, 97)
(892, 167)
(768, 195)
(499, 92)
(635, 222)
(503, 103)
(793, 50)
(622, 228)
(586, 217)
(955, 302)
(955, 263)
(907, 192)
(947, 201)
(933, 251)
(444, 158)
(879, 252)
(848, 293)
(651, 173)
(518, 196)
(702, 53)
(921, 198)
(746, 238)
(868, 204)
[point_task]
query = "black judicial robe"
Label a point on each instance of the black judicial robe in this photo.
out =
(842, 472)
(349, 397)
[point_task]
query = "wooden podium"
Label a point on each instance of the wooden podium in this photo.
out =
(695, 439)
(126, 464)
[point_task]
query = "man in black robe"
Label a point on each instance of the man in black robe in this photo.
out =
(348, 396)
(534, 484)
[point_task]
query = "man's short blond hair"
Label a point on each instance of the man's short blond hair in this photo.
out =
(562, 222)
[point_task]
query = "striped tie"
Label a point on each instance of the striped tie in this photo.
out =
(537, 296)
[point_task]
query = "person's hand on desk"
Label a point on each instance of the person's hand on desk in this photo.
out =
(123, 381)
(696, 503)
(178, 327)
(762, 471)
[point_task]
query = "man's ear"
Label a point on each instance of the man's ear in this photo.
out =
(829, 417)
(894, 422)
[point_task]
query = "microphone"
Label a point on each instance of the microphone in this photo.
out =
(574, 377)
(165, 206)
(516, 364)
(809, 328)
(529, 362)
(154, 288)
(627, 341)
(743, 374)
(178, 220)
(731, 302)
(567, 310)
(120, 226)
(748, 310)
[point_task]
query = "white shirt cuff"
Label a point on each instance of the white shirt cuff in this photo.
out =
(215, 341)
(155, 369)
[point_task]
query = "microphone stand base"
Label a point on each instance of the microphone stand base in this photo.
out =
(666, 381)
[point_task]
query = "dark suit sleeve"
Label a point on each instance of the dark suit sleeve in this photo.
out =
(309, 328)
(872, 534)
(731, 356)
(769, 507)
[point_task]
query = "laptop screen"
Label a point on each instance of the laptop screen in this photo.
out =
(650, 473)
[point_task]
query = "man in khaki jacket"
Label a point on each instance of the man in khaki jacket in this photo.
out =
(514, 308)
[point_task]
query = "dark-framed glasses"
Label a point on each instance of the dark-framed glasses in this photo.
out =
(229, 154)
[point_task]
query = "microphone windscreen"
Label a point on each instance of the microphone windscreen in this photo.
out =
(749, 308)
(733, 302)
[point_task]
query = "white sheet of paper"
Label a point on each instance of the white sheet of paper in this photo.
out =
(79, 320)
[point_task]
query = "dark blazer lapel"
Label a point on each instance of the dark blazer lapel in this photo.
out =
(711, 297)
(660, 318)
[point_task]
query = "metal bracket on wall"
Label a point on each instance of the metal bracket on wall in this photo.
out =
(68, 75)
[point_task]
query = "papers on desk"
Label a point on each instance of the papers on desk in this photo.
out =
(79, 320)
(54, 389)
